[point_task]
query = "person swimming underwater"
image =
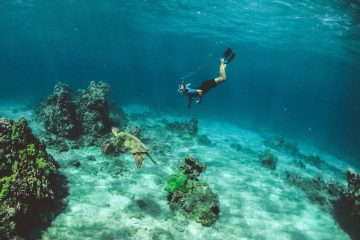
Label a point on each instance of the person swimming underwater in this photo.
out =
(198, 92)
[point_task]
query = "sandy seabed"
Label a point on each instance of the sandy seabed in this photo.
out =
(109, 198)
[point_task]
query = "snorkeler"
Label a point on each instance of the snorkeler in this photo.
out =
(198, 92)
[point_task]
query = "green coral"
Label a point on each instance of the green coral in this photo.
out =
(31, 149)
(5, 185)
(176, 181)
(41, 163)
(28, 178)
(15, 134)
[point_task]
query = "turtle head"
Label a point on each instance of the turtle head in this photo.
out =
(115, 131)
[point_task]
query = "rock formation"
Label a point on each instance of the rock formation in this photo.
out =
(189, 196)
(59, 113)
(86, 119)
(31, 188)
(93, 109)
(268, 159)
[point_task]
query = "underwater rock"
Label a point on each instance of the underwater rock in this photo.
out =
(293, 150)
(93, 110)
(59, 113)
(354, 186)
(187, 129)
(342, 202)
(190, 197)
(268, 159)
(347, 208)
(85, 120)
(56, 142)
(192, 167)
(31, 189)
(317, 190)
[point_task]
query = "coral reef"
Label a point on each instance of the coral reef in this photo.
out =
(31, 188)
(334, 198)
(188, 130)
(347, 208)
(189, 196)
(353, 193)
(176, 181)
(192, 168)
(317, 190)
(93, 110)
(59, 113)
(86, 120)
(268, 159)
(56, 142)
(299, 157)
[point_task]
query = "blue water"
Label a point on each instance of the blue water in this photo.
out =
(297, 68)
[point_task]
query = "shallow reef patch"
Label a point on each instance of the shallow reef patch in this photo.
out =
(189, 196)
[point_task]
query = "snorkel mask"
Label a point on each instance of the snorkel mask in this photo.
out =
(182, 87)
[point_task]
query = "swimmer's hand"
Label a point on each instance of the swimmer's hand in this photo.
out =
(198, 100)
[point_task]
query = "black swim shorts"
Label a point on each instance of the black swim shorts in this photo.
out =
(207, 85)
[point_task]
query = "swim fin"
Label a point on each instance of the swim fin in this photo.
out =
(227, 53)
(229, 59)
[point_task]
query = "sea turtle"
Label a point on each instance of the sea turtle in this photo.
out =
(126, 142)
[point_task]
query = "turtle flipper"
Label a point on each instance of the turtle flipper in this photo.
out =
(149, 156)
(138, 159)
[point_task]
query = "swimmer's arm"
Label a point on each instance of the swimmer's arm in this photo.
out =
(189, 103)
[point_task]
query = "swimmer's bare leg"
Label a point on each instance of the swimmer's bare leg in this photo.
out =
(222, 76)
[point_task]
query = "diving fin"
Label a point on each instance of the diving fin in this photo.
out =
(227, 53)
(229, 59)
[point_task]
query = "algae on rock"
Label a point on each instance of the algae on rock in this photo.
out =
(31, 187)
(189, 196)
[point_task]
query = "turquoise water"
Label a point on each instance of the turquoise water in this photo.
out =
(296, 75)
(297, 65)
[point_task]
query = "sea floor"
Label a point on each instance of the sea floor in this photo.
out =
(109, 198)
